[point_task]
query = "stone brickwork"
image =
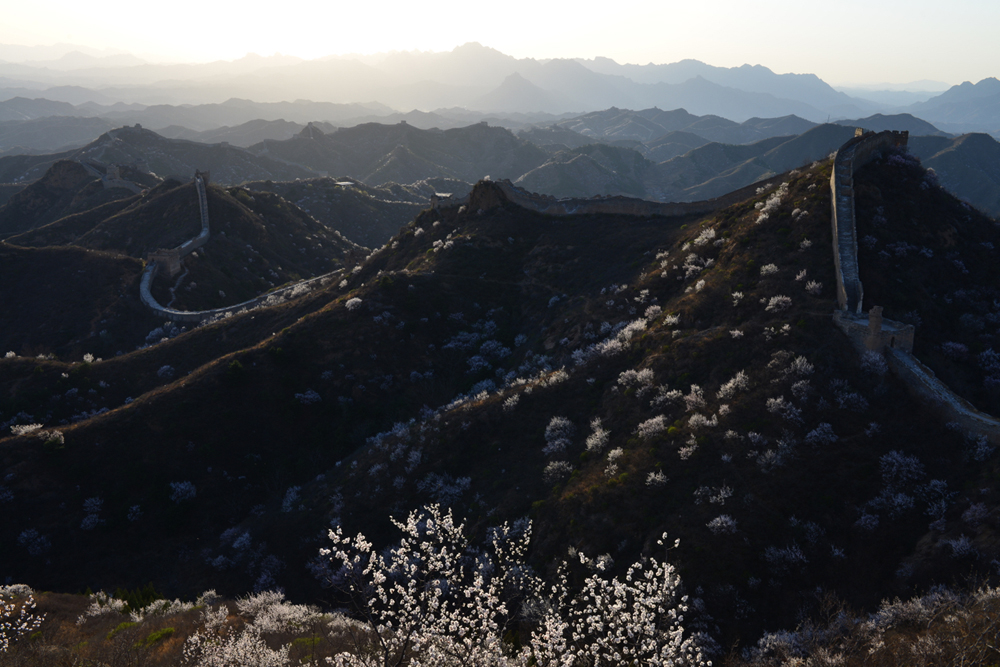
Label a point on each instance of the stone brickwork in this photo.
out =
(925, 386)
(874, 332)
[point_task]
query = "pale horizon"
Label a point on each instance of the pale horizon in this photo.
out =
(852, 44)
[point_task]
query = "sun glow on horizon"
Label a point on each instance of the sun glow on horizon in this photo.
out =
(924, 42)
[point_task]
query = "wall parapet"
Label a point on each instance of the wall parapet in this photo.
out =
(937, 396)
(170, 259)
(487, 194)
(273, 297)
(857, 152)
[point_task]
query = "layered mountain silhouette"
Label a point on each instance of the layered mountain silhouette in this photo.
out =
(212, 95)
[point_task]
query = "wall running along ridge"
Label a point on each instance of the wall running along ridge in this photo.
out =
(169, 260)
(872, 332)
(488, 194)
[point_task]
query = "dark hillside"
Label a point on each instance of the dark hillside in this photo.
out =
(258, 241)
(91, 302)
(611, 377)
(166, 157)
(66, 188)
(8, 190)
(931, 260)
(967, 166)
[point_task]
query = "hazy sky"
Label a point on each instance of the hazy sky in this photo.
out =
(848, 41)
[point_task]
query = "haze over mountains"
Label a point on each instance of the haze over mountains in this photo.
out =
(476, 78)
(652, 154)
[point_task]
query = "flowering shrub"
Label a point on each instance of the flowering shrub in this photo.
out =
(598, 439)
(821, 435)
(652, 427)
(739, 382)
(768, 207)
(698, 421)
(874, 363)
(557, 435)
(556, 471)
(656, 479)
(309, 397)
(778, 304)
(352, 304)
(722, 525)
(17, 617)
(181, 491)
(34, 542)
(436, 600)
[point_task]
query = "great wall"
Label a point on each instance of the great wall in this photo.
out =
(490, 193)
(169, 260)
(872, 332)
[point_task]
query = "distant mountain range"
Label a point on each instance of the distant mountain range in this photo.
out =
(166, 157)
(651, 153)
(470, 77)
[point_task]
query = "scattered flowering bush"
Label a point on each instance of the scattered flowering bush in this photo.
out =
(656, 479)
(739, 382)
(309, 397)
(821, 435)
(598, 438)
(722, 525)
(652, 427)
(557, 435)
(778, 304)
(181, 491)
(556, 471)
(352, 304)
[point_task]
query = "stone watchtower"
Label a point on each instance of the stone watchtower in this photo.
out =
(884, 333)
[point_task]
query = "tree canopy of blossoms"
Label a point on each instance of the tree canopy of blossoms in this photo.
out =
(435, 599)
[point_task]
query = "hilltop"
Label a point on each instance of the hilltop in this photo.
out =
(65, 188)
(377, 154)
(91, 302)
(132, 145)
(368, 215)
